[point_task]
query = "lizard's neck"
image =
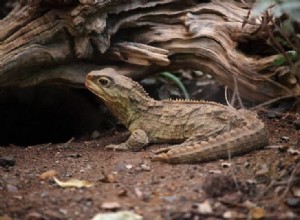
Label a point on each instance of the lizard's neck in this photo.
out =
(128, 108)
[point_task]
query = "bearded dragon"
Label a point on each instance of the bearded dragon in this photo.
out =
(200, 130)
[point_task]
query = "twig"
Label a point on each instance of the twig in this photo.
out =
(290, 180)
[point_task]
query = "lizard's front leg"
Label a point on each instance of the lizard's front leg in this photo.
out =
(137, 140)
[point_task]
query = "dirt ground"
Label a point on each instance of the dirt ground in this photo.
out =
(261, 184)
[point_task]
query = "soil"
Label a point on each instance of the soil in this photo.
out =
(261, 184)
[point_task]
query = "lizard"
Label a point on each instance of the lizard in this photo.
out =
(200, 131)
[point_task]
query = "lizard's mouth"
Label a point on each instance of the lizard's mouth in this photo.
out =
(92, 87)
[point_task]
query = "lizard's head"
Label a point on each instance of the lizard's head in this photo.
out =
(112, 87)
(121, 94)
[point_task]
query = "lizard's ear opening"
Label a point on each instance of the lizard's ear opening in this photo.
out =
(104, 81)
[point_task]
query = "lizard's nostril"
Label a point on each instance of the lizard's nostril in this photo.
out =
(89, 77)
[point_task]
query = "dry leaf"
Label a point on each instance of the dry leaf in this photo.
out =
(48, 174)
(73, 183)
(257, 213)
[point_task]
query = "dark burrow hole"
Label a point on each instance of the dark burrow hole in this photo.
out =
(47, 114)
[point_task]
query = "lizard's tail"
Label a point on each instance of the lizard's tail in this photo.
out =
(238, 141)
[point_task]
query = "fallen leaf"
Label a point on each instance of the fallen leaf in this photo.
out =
(73, 183)
(5, 217)
(257, 213)
(48, 174)
(122, 215)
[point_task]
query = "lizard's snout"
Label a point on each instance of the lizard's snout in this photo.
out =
(89, 77)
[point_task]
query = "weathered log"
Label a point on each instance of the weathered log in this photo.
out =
(61, 41)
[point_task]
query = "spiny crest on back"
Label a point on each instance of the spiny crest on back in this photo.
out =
(138, 87)
(188, 101)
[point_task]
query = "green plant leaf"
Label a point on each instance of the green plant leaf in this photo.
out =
(178, 82)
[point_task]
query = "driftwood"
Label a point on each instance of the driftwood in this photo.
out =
(61, 41)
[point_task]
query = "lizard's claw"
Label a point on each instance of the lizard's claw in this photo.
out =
(162, 150)
(120, 147)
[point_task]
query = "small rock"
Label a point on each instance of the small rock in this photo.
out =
(219, 185)
(263, 171)
(293, 202)
(285, 138)
(128, 166)
(273, 114)
(122, 215)
(110, 205)
(51, 214)
(95, 134)
(76, 155)
(293, 151)
(34, 216)
(248, 204)
(215, 171)
(233, 215)
(204, 207)
(138, 192)
(107, 178)
(7, 161)
(12, 188)
(226, 165)
(170, 198)
(146, 167)
(296, 191)
(122, 192)
(297, 124)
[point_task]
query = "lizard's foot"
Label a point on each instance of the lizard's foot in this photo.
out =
(162, 150)
(120, 147)
(137, 140)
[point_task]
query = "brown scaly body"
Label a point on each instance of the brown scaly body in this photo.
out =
(201, 131)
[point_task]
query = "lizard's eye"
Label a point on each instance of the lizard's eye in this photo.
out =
(103, 81)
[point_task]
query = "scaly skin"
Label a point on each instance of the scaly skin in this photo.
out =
(201, 131)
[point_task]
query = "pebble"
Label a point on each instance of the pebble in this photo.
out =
(263, 171)
(204, 208)
(128, 215)
(146, 167)
(95, 134)
(293, 202)
(33, 216)
(76, 155)
(285, 138)
(273, 114)
(11, 188)
(7, 161)
(297, 124)
(226, 165)
(110, 205)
